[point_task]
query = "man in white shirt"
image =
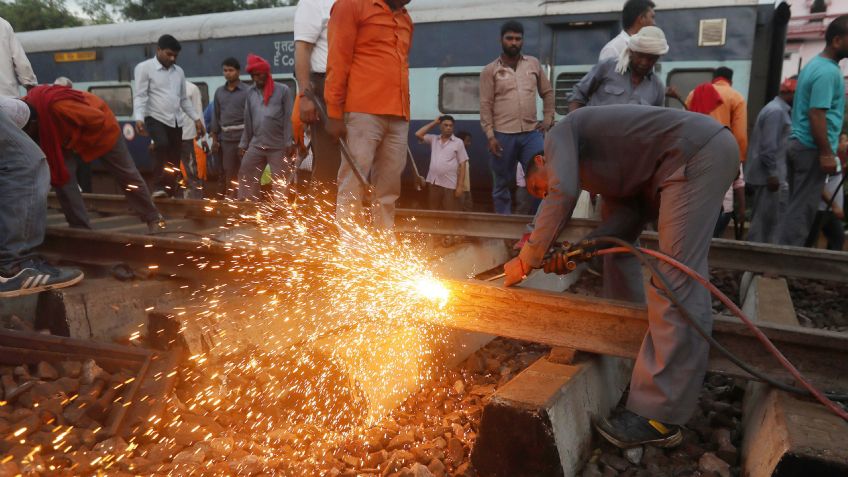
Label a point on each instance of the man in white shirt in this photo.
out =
(635, 15)
(310, 65)
(15, 70)
(159, 95)
(446, 177)
(194, 184)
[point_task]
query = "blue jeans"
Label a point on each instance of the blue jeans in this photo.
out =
(518, 147)
(24, 182)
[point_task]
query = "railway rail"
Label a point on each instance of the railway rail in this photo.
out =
(195, 226)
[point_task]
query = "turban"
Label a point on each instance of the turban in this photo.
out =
(788, 85)
(650, 40)
(257, 64)
(16, 109)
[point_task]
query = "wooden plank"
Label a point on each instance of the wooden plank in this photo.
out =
(617, 329)
(17, 356)
(61, 344)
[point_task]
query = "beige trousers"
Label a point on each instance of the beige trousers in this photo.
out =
(378, 146)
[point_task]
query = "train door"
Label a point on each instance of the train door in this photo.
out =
(574, 52)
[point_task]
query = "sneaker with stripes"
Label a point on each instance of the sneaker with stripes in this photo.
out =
(35, 277)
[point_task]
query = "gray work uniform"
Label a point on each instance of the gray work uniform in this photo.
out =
(267, 133)
(647, 163)
(766, 158)
(603, 86)
(228, 125)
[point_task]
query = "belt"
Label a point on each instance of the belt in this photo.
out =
(235, 127)
(319, 75)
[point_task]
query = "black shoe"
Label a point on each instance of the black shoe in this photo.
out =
(36, 277)
(156, 225)
(627, 429)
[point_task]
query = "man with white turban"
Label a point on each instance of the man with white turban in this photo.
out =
(628, 79)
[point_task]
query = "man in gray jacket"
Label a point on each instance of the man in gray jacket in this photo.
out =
(765, 169)
(634, 156)
(267, 135)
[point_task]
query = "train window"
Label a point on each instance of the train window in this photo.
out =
(459, 93)
(562, 89)
(119, 98)
(290, 82)
(685, 81)
(204, 93)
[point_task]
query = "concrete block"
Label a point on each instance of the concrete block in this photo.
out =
(104, 309)
(768, 299)
(540, 423)
(786, 435)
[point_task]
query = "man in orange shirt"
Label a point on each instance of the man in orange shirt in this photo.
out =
(720, 101)
(71, 120)
(367, 96)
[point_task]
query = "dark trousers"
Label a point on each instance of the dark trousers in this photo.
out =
(832, 228)
(119, 163)
(167, 148)
(231, 163)
(525, 204)
(517, 148)
(806, 180)
(326, 157)
(722, 223)
(442, 198)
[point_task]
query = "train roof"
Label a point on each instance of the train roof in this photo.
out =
(280, 20)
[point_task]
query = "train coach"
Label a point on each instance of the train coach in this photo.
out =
(453, 41)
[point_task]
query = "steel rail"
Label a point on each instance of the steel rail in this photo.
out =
(589, 324)
(728, 254)
(618, 328)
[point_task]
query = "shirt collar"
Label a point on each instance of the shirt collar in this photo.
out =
(520, 59)
(386, 6)
(160, 66)
(647, 76)
(783, 104)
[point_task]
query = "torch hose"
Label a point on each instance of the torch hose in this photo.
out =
(807, 389)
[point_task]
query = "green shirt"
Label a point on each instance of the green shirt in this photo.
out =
(820, 86)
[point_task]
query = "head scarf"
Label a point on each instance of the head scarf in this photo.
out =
(705, 99)
(40, 98)
(650, 40)
(788, 85)
(257, 64)
(17, 110)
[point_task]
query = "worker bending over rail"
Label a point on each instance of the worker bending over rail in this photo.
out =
(648, 163)
(64, 120)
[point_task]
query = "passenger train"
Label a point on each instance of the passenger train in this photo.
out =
(453, 40)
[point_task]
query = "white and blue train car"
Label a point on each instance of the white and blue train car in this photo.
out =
(453, 41)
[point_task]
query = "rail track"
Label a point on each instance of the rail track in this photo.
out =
(194, 227)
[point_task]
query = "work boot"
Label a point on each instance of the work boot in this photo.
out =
(37, 276)
(627, 429)
(156, 225)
